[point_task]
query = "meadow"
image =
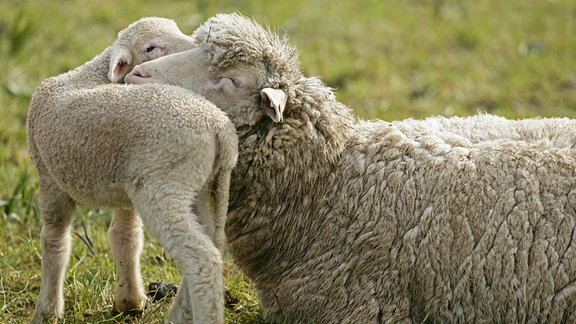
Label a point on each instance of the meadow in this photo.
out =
(386, 59)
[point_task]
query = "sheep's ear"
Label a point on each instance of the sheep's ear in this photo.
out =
(120, 64)
(273, 103)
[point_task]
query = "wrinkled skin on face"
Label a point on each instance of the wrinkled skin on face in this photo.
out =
(191, 70)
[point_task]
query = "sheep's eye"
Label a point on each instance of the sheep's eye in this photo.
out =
(150, 48)
(236, 82)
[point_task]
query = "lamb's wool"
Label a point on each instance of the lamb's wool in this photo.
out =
(161, 151)
(339, 220)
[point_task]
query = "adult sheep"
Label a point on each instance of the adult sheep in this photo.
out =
(340, 220)
(157, 155)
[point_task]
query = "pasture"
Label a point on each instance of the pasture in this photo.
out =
(385, 59)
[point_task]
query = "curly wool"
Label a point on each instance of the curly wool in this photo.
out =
(336, 219)
(552, 132)
(409, 228)
(229, 41)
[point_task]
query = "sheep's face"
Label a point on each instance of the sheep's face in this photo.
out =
(145, 40)
(224, 87)
(228, 88)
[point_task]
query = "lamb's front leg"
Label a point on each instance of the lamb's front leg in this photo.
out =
(57, 208)
(126, 241)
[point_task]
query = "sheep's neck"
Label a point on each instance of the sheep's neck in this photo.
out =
(274, 172)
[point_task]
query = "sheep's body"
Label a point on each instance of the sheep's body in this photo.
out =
(407, 228)
(337, 220)
(160, 151)
(553, 132)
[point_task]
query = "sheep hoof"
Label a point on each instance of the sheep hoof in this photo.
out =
(134, 313)
(128, 309)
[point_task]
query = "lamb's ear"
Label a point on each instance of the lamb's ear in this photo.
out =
(120, 61)
(273, 103)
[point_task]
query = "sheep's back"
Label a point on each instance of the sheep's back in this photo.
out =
(417, 227)
(551, 132)
(97, 141)
(481, 231)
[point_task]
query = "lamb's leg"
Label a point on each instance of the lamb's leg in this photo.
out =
(126, 241)
(183, 303)
(167, 213)
(220, 192)
(57, 209)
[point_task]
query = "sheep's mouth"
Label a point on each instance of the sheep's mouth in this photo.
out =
(136, 79)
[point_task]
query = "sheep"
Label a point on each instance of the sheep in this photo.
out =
(340, 220)
(158, 156)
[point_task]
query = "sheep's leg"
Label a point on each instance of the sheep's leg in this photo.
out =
(220, 193)
(211, 207)
(167, 213)
(126, 240)
(204, 211)
(57, 210)
(183, 302)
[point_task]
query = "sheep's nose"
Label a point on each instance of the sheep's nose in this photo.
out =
(141, 73)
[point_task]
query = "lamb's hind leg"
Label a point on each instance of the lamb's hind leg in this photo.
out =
(167, 213)
(126, 240)
(57, 209)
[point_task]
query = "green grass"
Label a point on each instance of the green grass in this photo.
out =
(386, 59)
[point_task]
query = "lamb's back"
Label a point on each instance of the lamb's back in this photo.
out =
(98, 140)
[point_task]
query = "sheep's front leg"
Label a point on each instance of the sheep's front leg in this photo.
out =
(57, 209)
(126, 241)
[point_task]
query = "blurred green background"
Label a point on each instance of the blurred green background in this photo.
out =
(385, 59)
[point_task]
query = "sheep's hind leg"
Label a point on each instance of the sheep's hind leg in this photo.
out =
(126, 241)
(168, 216)
(57, 209)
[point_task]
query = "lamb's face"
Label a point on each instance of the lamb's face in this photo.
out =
(145, 40)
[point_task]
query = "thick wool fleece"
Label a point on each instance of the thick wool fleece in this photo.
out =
(337, 220)
(552, 132)
(408, 228)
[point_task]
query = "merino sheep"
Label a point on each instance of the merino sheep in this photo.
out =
(340, 220)
(157, 155)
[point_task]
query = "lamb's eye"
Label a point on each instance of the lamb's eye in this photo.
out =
(150, 48)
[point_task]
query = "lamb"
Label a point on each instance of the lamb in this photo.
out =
(340, 220)
(159, 156)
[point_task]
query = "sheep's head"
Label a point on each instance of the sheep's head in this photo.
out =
(145, 40)
(238, 65)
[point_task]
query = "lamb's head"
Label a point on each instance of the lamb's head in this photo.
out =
(145, 40)
(246, 70)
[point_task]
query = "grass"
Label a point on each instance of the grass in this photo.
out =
(386, 59)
